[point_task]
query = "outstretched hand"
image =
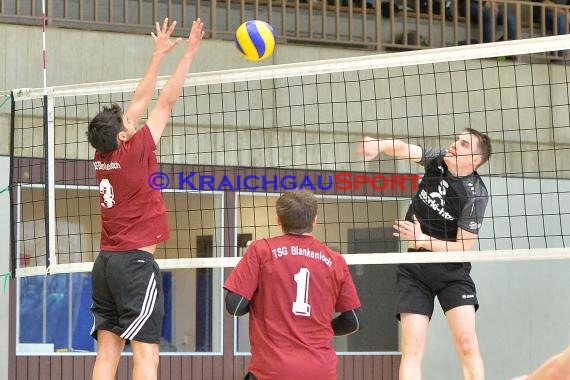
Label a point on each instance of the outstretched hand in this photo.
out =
(369, 148)
(196, 34)
(162, 42)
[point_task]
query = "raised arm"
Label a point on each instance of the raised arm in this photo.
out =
(159, 115)
(143, 94)
(370, 148)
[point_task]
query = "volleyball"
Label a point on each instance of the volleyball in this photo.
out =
(255, 40)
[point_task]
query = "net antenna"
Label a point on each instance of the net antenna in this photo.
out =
(301, 122)
(49, 157)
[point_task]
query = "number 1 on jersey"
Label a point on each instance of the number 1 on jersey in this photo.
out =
(301, 305)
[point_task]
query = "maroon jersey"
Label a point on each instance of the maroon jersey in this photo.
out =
(133, 214)
(294, 284)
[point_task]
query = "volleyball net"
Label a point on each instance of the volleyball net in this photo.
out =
(237, 139)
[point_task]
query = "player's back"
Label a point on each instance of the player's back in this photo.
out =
(299, 285)
(133, 214)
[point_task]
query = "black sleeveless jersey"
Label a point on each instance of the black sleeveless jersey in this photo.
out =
(445, 202)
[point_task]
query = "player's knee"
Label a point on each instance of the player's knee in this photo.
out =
(467, 344)
(108, 357)
(146, 355)
(146, 364)
(412, 347)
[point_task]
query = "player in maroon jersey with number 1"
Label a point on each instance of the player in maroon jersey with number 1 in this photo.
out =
(291, 285)
(127, 288)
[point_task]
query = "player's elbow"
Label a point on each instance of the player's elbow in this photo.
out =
(464, 245)
(166, 104)
(236, 305)
(348, 322)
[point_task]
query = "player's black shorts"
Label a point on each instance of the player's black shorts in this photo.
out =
(419, 284)
(128, 298)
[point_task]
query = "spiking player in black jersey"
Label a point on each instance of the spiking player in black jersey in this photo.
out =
(445, 215)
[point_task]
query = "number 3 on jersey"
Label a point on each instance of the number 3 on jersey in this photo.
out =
(106, 190)
(301, 305)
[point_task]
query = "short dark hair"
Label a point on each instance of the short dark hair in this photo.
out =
(104, 128)
(484, 146)
(297, 210)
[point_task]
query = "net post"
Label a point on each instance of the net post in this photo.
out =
(12, 327)
(12, 247)
(12, 243)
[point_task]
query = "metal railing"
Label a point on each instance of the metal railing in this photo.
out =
(366, 24)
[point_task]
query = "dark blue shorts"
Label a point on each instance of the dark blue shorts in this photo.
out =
(127, 296)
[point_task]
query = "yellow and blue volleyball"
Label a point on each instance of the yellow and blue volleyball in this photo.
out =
(255, 40)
